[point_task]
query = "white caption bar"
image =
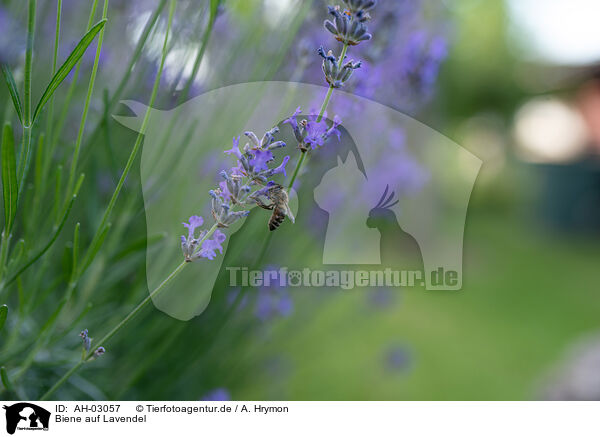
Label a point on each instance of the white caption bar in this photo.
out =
(302, 418)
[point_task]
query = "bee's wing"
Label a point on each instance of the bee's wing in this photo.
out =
(289, 213)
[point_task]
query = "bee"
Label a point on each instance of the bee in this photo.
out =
(279, 205)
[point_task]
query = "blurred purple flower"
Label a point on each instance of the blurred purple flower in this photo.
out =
(382, 298)
(273, 301)
(421, 61)
(218, 394)
(398, 358)
(232, 297)
(12, 41)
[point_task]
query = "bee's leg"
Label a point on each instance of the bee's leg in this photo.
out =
(264, 205)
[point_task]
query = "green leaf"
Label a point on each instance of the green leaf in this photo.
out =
(94, 248)
(68, 65)
(53, 238)
(214, 8)
(3, 315)
(10, 187)
(14, 94)
(5, 380)
(75, 247)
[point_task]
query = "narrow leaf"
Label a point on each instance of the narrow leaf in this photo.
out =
(75, 247)
(5, 380)
(93, 249)
(3, 314)
(14, 93)
(10, 189)
(68, 65)
(214, 8)
(52, 239)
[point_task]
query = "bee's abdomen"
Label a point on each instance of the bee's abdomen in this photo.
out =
(276, 219)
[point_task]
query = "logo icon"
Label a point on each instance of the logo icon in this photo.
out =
(26, 416)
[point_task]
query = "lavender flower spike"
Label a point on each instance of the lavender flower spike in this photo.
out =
(311, 134)
(87, 341)
(255, 157)
(210, 246)
(189, 244)
(347, 27)
(336, 76)
(360, 8)
(221, 210)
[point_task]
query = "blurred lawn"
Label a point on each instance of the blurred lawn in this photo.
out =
(526, 296)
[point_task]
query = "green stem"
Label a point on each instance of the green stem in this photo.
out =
(136, 55)
(26, 149)
(3, 254)
(319, 118)
(97, 238)
(62, 380)
(299, 164)
(25, 157)
(125, 320)
(86, 106)
(116, 95)
(50, 115)
(205, 38)
(138, 308)
(325, 103)
(301, 161)
(103, 228)
(297, 170)
(71, 91)
(28, 62)
(138, 142)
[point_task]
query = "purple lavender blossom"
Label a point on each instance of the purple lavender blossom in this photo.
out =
(348, 26)
(311, 134)
(87, 341)
(208, 247)
(279, 169)
(235, 150)
(211, 245)
(261, 159)
(255, 157)
(194, 222)
(252, 170)
(384, 75)
(336, 72)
